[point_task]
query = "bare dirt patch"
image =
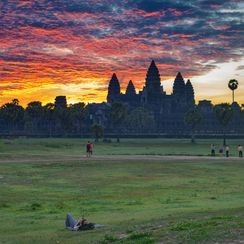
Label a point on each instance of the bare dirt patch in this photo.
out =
(68, 158)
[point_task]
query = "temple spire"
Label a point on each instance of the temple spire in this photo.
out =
(130, 90)
(179, 85)
(189, 92)
(153, 83)
(113, 89)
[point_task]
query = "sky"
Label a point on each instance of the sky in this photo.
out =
(72, 47)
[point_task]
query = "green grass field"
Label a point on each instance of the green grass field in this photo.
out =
(18, 147)
(143, 201)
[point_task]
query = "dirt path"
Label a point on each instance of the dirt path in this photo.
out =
(71, 158)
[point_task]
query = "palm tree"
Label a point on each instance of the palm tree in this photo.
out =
(233, 85)
(224, 114)
(193, 118)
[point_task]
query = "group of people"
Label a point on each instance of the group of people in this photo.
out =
(225, 150)
(89, 149)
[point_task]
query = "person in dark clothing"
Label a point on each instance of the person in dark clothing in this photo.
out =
(240, 151)
(82, 224)
(213, 150)
(221, 151)
(227, 151)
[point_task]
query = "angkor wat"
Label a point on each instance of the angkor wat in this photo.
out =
(168, 110)
(151, 112)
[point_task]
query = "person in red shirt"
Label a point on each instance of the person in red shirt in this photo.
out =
(91, 148)
(88, 149)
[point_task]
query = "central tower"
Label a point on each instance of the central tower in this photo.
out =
(152, 91)
(153, 84)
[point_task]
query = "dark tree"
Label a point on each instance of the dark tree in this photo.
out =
(118, 114)
(62, 119)
(140, 120)
(97, 131)
(224, 114)
(48, 118)
(77, 113)
(193, 118)
(34, 117)
(12, 115)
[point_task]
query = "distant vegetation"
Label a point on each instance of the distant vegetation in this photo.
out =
(116, 120)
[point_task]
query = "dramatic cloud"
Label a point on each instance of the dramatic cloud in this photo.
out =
(73, 47)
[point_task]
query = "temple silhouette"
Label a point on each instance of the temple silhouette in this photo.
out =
(153, 94)
(168, 110)
(149, 112)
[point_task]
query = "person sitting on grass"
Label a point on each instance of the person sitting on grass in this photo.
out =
(82, 224)
(221, 151)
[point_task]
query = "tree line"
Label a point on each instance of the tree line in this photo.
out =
(60, 119)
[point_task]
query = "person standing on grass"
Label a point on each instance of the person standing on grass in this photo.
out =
(91, 148)
(88, 149)
(227, 151)
(213, 150)
(221, 151)
(240, 151)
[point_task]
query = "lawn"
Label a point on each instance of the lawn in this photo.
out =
(53, 146)
(144, 201)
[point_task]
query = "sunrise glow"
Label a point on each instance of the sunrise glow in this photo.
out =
(72, 48)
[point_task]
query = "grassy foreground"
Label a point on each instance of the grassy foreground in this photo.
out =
(137, 201)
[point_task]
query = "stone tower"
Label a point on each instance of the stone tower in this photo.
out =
(113, 90)
(179, 85)
(152, 92)
(190, 99)
(60, 102)
(130, 90)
